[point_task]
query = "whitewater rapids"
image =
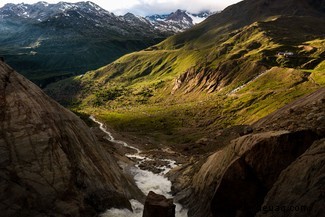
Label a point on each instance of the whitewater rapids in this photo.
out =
(145, 180)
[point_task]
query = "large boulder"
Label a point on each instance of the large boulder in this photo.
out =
(158, 206)
(50, 162)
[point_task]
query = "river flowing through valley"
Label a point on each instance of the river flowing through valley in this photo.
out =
(145, 180)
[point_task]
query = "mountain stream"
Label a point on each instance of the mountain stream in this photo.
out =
(145, 180)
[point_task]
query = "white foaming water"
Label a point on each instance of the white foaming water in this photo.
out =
(137, 211)
(171, 164)
(145, 180)
(148, 181)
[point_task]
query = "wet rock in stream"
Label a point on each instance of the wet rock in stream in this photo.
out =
(158, 206)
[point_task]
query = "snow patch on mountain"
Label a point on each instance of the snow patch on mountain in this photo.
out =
(196, 19)
(177, 21)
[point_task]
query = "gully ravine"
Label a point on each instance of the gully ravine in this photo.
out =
(146, 180)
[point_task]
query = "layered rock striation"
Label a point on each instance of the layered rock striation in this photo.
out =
(50, 162)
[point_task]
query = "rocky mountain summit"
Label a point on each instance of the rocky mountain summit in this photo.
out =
(177, 21)
(75, 15)
(43, 11)
(51, 164)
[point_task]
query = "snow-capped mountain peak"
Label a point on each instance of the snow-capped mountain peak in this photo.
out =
(42, 10)
(177, 21)
(197, 19)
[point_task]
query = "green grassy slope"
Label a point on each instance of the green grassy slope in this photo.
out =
(221, 73)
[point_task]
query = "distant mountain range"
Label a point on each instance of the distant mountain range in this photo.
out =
(48, 42)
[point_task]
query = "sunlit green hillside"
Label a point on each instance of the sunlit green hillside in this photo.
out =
(231, 69)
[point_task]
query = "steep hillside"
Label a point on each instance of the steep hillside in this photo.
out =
(234, 68)
(51, 164)
(245, 13)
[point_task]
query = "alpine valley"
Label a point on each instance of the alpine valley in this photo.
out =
(49, 42)
(226, 117)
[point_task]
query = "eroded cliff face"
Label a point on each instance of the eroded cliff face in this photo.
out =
(50, 162)
(205, 79)
(267, 168)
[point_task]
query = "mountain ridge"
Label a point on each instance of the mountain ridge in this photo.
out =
(47, 42)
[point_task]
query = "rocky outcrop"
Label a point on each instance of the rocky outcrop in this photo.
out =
(205, 79)
(258, 160)
(237, 178)
(256, 168)
(158, 206)
(50, 163)
(299, 190)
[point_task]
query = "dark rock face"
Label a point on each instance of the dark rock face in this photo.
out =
(50, 163)
(299, 190)
(158, 206)
(259, 160)
(280, 163)
(102, 198)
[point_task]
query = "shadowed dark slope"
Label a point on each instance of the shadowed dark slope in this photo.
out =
(51, 164)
